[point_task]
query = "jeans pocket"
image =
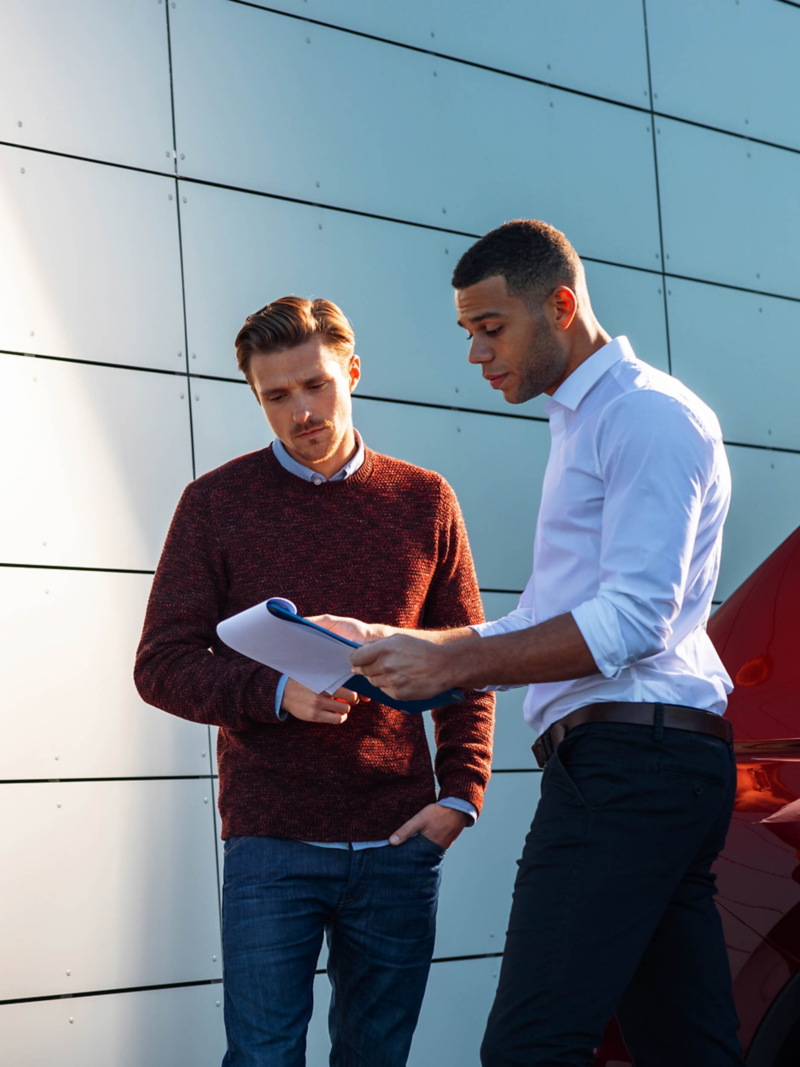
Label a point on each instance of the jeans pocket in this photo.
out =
(232, 843)
(431, 844)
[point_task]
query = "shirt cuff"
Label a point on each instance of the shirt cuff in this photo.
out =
(464, 806)
(598, 623)
(282, 715)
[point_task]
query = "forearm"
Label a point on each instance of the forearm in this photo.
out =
(552, 651)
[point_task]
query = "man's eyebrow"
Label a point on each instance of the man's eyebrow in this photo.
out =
(483, 315)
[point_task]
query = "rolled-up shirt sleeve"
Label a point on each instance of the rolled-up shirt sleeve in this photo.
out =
(656, 463)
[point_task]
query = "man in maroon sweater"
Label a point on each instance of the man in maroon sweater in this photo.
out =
(329, 810)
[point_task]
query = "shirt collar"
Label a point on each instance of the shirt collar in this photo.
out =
(574, 388)
(291, 465)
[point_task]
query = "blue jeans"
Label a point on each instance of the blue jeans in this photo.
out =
(614, 910)
(377, 908)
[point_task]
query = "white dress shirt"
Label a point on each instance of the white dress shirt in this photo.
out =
(628, 538)
(308, 475)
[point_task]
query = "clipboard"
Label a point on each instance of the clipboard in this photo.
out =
(315, 657)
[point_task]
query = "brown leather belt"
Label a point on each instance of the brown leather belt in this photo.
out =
(675, 717)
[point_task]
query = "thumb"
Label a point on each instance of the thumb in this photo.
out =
(408, 829)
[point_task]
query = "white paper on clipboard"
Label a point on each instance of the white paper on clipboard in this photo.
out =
(316, 661)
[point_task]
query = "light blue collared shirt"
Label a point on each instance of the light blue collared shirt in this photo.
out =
(308, 475)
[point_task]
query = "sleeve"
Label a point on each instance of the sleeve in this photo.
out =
(463, 731)
(655, 462)
(175, 668)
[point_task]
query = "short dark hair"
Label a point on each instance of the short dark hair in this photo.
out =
(289, 322)
(533, 257)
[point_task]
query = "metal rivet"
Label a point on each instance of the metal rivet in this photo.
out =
(183, 156)
(180, 354)
(760, 309)
(458, 429)
(173, 7)
(169, 197)
(58, 805)
(308, 40)
(444, 210)
(194, 355)
(31, 333)
(56, 757)
(318, 185)
(217, 1003)
(769, 432)
(71, 1018)
(69, 973)
(182, 396)
(214, 958)
(669, 292)
(196, 396)
(19, 124)
(659, 292)
(434, 74)
(667, 255)
(167, 154)
(45, 545)
(655, 96)
(22, 170)
(746, 122)
(748, 155)
(447, 251)
(205, 800)
(456, 388)
(203, 754)
(432, 34)
(183, 199)
(648, 129)
(320, 225)
(47, 590)
(548, 66)
(758, 275)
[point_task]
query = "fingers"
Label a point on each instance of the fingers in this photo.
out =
(348, 695)
(408, 829)
(367, 654)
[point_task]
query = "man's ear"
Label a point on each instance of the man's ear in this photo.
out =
(355, 371)
(564, 305)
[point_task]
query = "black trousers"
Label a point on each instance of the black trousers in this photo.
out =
(613, 907)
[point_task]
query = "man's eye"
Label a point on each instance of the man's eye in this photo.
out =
(276, 398)
(494, 332)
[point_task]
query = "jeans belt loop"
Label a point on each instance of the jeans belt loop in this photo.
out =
(658, 722)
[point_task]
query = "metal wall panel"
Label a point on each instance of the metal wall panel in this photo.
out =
(741, 353)
(91, 262)
(631, 302)
(95, 461)
(494, 464)
(375, 117)
(512, 735)
(728, 65)
(227, 421)
(454, 1013)
(107, 885)
(179, 1027)
(606, 53)
(393, 281)
(88, 78)
(480, 867)
(765, 509)
(730, 209)
(81, 717)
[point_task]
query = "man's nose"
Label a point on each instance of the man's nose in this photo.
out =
(480, 352)
(302, 412)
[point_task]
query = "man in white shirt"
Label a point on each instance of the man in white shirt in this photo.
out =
(613, 904)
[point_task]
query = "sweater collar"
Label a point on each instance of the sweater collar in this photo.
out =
(293, 467)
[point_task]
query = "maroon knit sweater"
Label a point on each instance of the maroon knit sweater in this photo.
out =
(386, 545)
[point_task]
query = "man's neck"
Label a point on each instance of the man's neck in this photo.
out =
(589, 338)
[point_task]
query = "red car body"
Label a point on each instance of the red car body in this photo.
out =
(757, 634)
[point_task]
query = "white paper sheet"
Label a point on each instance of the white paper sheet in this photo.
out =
(318, 662)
